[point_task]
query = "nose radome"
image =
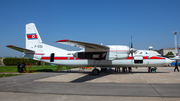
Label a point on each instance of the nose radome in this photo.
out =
(168, 61)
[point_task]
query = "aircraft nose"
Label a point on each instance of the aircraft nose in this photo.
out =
(168, 61)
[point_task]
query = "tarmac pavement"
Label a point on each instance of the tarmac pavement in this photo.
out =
(164, 85)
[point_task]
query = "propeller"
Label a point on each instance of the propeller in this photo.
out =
(131, 50)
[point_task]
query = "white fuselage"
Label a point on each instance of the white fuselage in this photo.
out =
(142, 58)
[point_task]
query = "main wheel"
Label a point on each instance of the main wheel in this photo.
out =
(130, 69)
(149, 69)
(95, 72)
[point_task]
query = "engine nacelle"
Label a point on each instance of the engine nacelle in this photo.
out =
(118, 52)
(114, 55)
(115, 52)
(91, 55)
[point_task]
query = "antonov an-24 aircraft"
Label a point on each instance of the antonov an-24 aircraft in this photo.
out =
(91, 55)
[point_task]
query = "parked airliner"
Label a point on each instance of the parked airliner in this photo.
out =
(91, 55)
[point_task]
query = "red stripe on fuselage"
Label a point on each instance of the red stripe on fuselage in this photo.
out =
(130, 58)
(72, 58)
(146, 57)
(156, 57)
(55, 58)
(60, 58)
(45, 58)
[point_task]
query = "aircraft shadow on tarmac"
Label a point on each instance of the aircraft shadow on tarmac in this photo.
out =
(43, 70)
(108, 72)
(111, 72)
(89, 76)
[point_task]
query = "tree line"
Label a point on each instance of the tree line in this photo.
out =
(14, 61)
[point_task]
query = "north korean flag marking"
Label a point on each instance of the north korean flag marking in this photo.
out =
(32, 36)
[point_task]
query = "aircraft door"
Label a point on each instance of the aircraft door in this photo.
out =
(138, 59)
(52, 57)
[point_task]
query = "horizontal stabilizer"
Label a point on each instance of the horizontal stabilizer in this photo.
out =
(21, 49)
(85, 45)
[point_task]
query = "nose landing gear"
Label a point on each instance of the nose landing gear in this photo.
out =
(152, 70)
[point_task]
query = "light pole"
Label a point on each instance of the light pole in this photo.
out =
(175, 32)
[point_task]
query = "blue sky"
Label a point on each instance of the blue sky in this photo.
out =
(111, 22)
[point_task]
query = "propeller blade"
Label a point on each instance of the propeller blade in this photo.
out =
(131, 48)
(131, 42)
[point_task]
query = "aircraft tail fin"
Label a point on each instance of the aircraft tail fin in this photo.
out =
(32, 36)
(34, 42)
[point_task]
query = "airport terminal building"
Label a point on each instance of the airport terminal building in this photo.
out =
(164, 51)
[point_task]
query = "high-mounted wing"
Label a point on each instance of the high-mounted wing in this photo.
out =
(86, 46)
(20, 49)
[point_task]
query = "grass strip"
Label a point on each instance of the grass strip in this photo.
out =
(47, 68)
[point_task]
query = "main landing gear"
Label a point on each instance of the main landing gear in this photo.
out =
(152, 70)
(103, 69)
(95, 70)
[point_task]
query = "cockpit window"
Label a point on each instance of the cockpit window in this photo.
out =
(69, 54)
(163, 56)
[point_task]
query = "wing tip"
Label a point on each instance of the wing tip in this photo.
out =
(9, 46)
(64, 40)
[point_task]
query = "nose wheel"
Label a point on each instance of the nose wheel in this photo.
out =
(152, 70)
